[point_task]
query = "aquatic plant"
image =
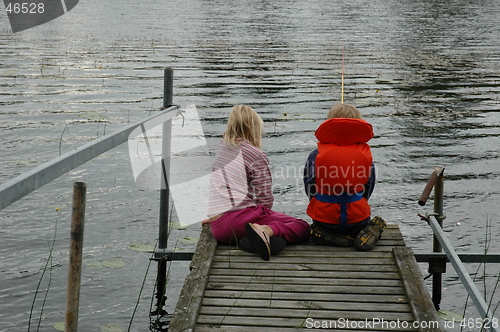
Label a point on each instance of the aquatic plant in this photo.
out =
(142, 288)
(483, 266)
(47, 263)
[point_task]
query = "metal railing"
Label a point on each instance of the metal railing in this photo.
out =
(22, 185)
(437, 261)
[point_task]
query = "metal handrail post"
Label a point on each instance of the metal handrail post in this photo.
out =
(164, 194)
(438, 266)
(165, 160)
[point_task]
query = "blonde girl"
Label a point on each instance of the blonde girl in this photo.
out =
(241, 198)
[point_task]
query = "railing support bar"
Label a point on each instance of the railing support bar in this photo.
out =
(30, 181)
(464, 276)
(465, 257)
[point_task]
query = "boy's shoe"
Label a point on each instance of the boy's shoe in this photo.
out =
(368, 237)
(322, 236)
(276, 244)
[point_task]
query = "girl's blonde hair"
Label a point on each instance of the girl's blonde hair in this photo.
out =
(344, 111)
(244, 124)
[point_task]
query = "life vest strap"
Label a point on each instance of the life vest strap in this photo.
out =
(339, 199)
(342, 199)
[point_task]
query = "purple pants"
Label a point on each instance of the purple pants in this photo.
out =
(230, 227)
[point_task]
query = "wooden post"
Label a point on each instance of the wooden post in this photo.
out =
(75, 257)
(437, 265)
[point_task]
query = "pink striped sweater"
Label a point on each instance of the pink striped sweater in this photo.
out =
(240, 178)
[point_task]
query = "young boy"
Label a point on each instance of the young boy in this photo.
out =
(339, 178)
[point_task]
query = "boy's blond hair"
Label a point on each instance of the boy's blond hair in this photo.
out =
(344, 111)
(244, 124)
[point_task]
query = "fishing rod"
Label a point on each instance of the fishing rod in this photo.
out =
(342, 95)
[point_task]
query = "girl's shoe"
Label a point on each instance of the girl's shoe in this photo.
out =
(260, 241)
(276, 244)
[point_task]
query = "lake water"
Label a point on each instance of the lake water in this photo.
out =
(424, 73)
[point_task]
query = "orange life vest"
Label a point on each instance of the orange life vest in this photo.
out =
(342, 168)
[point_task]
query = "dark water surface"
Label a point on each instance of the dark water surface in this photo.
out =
(424, 73)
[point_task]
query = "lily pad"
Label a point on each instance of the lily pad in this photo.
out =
(92, 263)
(450, 315)
(112, 328)
(11, 72)
(93, 116)
(141, 247)
(24, 162)
(175, 224)
(113, 263)
(189, 239)
(59, 326)
(181, 249)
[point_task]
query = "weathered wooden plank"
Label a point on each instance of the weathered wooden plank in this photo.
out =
(389, 243)
(304, 313)
(331, 254)
(270, 265)
(271, 323)
(414, 285)
(310, 259)
(307, 288)
(266, 295)
(235, 328)
(372, 275)
(189, 303)
(290, 251)
(304, 281)
(305, 303)
(311, 246)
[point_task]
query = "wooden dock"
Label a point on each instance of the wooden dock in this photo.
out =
(305, 286)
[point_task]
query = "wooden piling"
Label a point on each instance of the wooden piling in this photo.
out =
(75, 257)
